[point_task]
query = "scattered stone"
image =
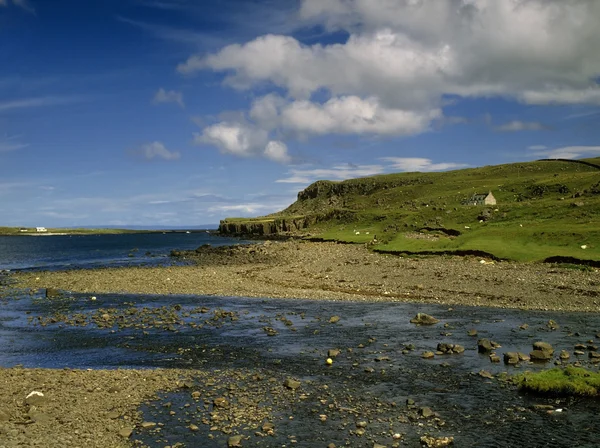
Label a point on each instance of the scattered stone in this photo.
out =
(427, 355)
(35, 398)
(446, 348)
(221, 402)
(485, 374)
(292, 384)
(424, 319)
(334, 319)
(472, 332)
(485, 345)
(426, 412)
(494, 357)
(564, 355)
(193, 427)
(126, 432)
(511, 358)
(148, 425)
(543, 346)
(552, 325)
(332, 353)
(234, 441)
(433, 442)
(540, 355)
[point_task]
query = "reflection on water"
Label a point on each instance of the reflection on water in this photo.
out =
(231, 333)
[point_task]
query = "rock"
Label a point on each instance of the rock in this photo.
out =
(594, 355)
(472, 332)
(234, 441)
(485, 345)
(334, 319)
(126, 432)
(485, 374)
(427, 355)
(439, 442)
(148, 425)
(193, 427)
(523, 357)
(540, 355)
(426, 412)
(53, 293)
(494, 357)
(221, 402)
(543, 346)
(511, 358)
(377, 445)
(332, 353)
(292, 384)
(424, 319)
(35, 398)
(564, 355)
(196, 395)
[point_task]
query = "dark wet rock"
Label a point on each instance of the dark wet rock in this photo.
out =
(424, 319)
(523, 357)
(511, 358)
(594, 355)
(564, 355)
(485, 345)
(292, 384)
(494, 357)
(580, 347)
(53, 293)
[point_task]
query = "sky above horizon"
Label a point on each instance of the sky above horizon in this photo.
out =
(184, 112)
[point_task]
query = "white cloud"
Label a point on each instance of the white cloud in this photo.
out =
(353, 115)
(568, 152)
(412, 52)
(245, 140)
(537, 147)
(158, 150)
(277, 151)
(44, 101)
(337, 172)
(420, 164)
(171, 96)
(516, 126)
(234, 138)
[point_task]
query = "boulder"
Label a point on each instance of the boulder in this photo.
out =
(292, 384)
(424, 319)
(540, 355)
(543, 346)
(234, 441)
(511, 358)
(485, 345)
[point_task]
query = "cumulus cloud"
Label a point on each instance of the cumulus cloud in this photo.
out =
(516, 125)
(568, 152)
(277, 151)
(159, 151)
(420, 164)
(411, 52)
(171, 96)
(243, 139)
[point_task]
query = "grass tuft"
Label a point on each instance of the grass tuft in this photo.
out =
(568, 381)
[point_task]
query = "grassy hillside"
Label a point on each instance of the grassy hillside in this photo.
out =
(544, 209)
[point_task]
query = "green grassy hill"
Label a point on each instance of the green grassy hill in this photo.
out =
(544, 209)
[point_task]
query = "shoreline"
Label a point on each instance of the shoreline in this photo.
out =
(330, 271)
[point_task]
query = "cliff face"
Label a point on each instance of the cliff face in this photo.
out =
(274, 226)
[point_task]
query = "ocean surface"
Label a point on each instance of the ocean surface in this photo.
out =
(372, 366)
(51, 252)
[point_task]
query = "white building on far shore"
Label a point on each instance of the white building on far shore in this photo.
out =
(41, 229)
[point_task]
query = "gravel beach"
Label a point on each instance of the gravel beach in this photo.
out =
(330, 271)
(99, 408)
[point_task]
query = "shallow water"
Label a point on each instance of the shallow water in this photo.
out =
(371, 369)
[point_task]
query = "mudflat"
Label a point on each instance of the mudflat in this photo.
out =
(330, 271)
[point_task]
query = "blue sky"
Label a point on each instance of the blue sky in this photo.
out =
(183, 112)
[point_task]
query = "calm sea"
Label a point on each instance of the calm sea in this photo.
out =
(88, 251)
